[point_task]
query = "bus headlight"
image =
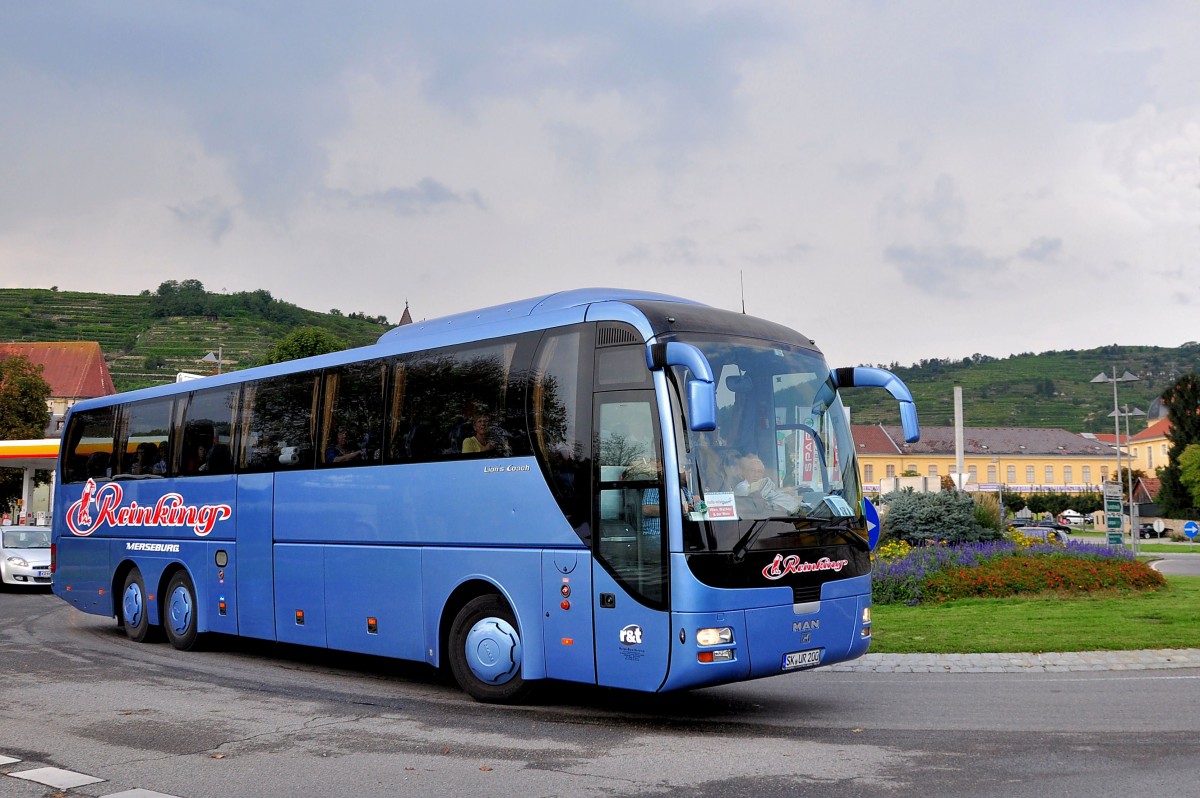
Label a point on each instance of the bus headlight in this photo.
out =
(714, 637)
(866, 614)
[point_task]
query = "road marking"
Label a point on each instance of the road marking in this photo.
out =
(56, 777)
(66, 779)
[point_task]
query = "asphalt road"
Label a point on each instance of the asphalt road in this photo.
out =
(254, 719)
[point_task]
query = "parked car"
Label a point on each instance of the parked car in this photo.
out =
(25, 555)
(1146, 531)
(1046, 533)
(1063, 528)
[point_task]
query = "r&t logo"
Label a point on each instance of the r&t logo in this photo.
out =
(631, 635)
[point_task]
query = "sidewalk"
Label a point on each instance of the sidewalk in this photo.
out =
(1151, 659)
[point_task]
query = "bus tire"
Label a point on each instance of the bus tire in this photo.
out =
(134, 615)
(486, 652)
(179, 612)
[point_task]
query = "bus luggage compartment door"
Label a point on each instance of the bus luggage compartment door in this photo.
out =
(567, 604)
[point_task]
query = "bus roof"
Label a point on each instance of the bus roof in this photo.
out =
(548, 303)
(507, 318)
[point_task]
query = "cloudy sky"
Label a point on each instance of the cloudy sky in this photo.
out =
(898, 180)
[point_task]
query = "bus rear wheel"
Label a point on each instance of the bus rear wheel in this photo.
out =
(180, 612)
(486, 653)
(134, 616)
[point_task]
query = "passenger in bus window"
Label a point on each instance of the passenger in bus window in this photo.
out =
(198, 462)
(144, 459)
(483, 440)
(342, 451)
(651, 502)
(160, 465)
(465, 428)
(97, 465)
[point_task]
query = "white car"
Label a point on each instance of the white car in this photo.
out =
(25, 555)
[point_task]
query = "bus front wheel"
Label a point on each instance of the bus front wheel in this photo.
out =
(486, 653)
(180, 620)
(134, 616)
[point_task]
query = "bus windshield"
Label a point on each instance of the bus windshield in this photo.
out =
(779, 471)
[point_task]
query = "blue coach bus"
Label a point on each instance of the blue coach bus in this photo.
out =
(610, 487)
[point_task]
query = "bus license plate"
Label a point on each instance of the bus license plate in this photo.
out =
(802, 659)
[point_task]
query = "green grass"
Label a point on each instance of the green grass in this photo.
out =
(1115, 622)
(1167, 548)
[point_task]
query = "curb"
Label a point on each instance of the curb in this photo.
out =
(1149, 659)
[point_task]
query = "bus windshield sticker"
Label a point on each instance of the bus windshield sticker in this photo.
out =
(102, 505)
(716, 507)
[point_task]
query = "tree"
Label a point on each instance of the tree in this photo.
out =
(1189, 471)
(23, 415)
(1182, 401)
(23, 395)
(304, 342)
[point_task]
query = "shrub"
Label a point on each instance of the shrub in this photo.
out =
(987, 511)
(1007, 576)
(919, 518)
(908, 575)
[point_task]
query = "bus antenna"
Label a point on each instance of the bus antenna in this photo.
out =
(742, 280)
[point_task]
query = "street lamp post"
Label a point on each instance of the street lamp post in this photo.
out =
(1114, 379)
(214, 357)
(999, 490)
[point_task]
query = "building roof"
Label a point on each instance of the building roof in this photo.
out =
(874, 439)
(73, 369)
(997, 441)
(1146, 489)
(1158, 429)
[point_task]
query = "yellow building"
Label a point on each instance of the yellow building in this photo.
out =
(1148, 448)
(1014, 459)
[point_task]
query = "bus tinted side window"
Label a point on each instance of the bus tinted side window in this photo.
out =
(277, 423)
(352, 422)
(208, 432)
(144, 439)
(460, 402)
(560, 420)
(89, 446)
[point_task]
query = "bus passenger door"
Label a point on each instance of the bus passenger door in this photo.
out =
(629, 577)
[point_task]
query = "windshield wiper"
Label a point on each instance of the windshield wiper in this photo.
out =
(800, 525)
(739, 548)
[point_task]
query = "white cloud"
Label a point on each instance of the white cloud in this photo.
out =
(893, 180)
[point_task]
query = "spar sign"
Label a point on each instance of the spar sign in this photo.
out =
(104, 506)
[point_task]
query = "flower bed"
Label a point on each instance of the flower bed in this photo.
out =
(908, 575)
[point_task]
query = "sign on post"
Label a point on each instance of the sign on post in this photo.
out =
(1112, 513)
(1191, 529)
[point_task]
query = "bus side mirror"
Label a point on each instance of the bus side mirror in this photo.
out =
(701, 388)
(869, 377)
